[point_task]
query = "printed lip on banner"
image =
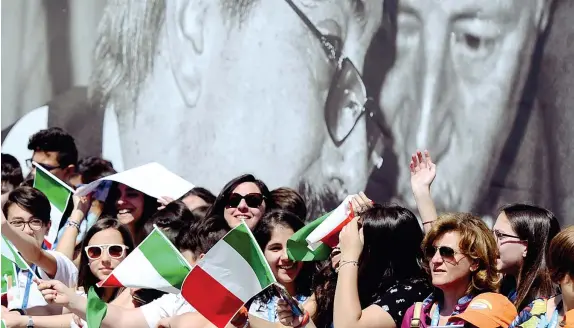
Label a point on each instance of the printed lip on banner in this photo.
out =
(152, 179)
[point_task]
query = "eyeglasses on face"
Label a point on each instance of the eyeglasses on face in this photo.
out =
(30, 164)
(347, 99)
(446, 253)
(501, 236)
(34, 224)
(115, 251)
(252, 200)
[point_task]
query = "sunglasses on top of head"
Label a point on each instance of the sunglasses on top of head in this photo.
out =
(115, 251)
(252, 200)
(445, 252)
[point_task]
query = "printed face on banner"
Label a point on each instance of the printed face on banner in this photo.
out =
(455, 87)
(247, 94)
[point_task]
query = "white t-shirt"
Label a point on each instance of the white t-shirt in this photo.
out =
(66, 272)
(168, 305)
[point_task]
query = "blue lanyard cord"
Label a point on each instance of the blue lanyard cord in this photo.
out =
(554, 321)
(436, 313)
(29, 279)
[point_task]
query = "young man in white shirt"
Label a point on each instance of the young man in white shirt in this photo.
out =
(25, 222)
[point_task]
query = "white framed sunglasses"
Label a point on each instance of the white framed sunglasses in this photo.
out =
(115, 251)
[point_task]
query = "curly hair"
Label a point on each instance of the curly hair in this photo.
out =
(476, 241)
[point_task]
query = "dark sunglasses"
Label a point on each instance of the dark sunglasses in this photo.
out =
(115, 251)
(252, 200)
(445, 252)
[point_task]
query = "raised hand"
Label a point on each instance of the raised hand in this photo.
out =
(163, 201)
(350, 241)
(82, 204)
(423, 171)
(361, 203)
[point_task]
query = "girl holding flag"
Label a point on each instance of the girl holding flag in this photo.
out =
(379, 271)
(107, 243)
(272, 234)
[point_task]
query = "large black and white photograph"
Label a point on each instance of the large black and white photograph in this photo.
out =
(287, 163)
(330, 97)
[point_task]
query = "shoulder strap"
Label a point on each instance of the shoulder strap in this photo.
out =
(416, 320)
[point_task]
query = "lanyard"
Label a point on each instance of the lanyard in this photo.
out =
(29, 279)
(436, 313)
(554, 321)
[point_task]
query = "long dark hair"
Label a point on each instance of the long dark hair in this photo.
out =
(218, 206)
(263, 232)
(86, 278)
(110, 209)
(392, 252)
(537, 226)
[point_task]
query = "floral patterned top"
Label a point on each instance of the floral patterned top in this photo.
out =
(397, 299)
(535, 316)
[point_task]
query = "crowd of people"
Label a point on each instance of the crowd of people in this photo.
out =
(389, 269)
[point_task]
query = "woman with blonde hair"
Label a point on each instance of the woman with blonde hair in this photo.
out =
(460, 256)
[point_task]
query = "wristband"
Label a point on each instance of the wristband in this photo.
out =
(73, 224)
(428, 222)
(305, 320)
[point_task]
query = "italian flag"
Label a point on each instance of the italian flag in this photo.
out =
(154, 264)
(59, 195)
(229, 275)
(10, 261)
(314, 241)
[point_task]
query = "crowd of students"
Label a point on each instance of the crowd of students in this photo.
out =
(387, 270)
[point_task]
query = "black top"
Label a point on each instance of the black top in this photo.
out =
(397, 299)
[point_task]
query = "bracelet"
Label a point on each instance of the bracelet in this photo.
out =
(304, 321)
(428, 222)
(343, 263)
(73, 224)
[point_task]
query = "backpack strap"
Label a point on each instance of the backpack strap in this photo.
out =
(416, 319)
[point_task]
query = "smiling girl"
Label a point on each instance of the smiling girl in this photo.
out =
(272, 234)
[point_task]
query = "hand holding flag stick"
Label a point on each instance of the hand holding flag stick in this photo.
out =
(314, 241)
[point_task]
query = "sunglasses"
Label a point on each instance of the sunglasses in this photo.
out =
(115, 251)
(253, 200)
(446, 253)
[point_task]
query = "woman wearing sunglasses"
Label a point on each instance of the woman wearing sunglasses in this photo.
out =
(460, 256)
(523, 234)
(106, 245)
(243, 198)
